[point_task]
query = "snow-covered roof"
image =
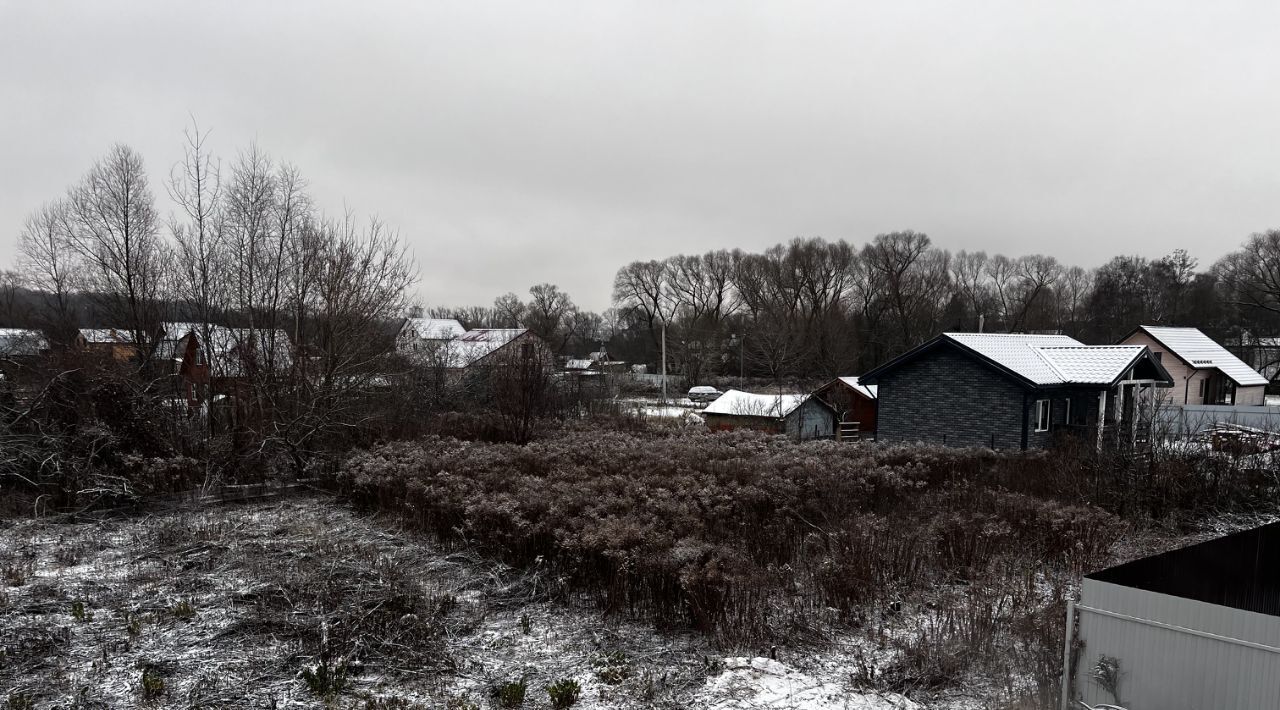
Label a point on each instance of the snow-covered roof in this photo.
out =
(1052, 359)
(868, 391)
(175, 330)
(746, 404)
(432, 328)
(1017, 352)
(579, 364)
(1201, 351)
(21, 341)
(474, 345)
(1092, 364)
(106, 335)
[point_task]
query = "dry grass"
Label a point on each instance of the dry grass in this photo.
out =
(236, 606)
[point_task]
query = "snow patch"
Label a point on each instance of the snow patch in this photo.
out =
(764, 683)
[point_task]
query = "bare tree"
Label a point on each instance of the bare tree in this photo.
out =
(46, 261)
(195, 185)
(915, 278)
(361, 278)
(517, 382)
(1073, 299)
(115, 232)
(641, 287)
(509, 310)
(1036, 274)
(969, 274)
(548, 314)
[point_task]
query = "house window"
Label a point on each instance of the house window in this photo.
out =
(1066, 413)
(1042, 414)
(1159, 355)
(1203, 387)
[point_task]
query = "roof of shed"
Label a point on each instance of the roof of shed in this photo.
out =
(747, 404)
(1200, 351)
(868, 391)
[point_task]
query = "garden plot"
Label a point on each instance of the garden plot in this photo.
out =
(281, 605)
(306, 604)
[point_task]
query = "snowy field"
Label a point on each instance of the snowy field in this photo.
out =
(303, 603)
(681, 409)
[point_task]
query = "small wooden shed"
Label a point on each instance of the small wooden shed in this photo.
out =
(800, 416)
(855, 407)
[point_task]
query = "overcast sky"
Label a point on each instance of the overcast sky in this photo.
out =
(518, 142)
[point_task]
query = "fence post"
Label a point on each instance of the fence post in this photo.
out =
(1067, 638)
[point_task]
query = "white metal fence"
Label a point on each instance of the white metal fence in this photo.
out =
(1172, 653)
(1192, 419)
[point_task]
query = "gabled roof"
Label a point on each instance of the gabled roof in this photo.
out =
(1018, 353)
(1041, 360)
(868, 391)
(746, 404)
(474, 345)
(579, 364)
(1092, 364)
(432, 328)
(1202, 352)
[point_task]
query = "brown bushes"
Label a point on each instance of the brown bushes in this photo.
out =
(751, 537)
(688, 527)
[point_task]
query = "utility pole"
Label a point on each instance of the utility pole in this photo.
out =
(664, 362)
(742, 343)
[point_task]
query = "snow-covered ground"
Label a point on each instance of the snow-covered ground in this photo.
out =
(683, 409)
(749, 683)
(234, 606)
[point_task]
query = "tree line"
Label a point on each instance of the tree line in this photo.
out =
(812, 307)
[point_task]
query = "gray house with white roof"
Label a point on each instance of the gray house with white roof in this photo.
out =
(1014, 391)
(1203, 371)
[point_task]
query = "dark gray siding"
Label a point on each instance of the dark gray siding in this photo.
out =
(811, 420)
(946, 397)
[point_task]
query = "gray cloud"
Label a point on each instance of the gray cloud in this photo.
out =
(515, 142)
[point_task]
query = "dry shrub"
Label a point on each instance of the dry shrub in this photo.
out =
(754, 538)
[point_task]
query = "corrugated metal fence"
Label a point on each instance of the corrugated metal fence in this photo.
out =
(1192, 419)
(1172, 653)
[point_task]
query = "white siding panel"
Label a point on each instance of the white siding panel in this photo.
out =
(1171, 669)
